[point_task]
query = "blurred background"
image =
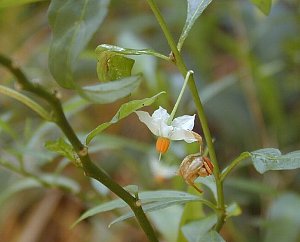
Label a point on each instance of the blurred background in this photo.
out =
(247, 68)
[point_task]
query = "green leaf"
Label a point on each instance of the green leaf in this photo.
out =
(164, 222)
(158, 200)
(112, 66)
(111, 91)
(105, 207)
(272, 159)
(125, 110)
(166, 195)
(153, 200)
(191, 212)
(195, 230)
(194, 10)
(55, 180)
(149, 208)
(128, 51)
(283, 219)
(72, 24)
(13, 3)
(61, 147)
(263, 5)
(211, 236)
(210, 182)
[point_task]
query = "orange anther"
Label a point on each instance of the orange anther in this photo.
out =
(162, 145)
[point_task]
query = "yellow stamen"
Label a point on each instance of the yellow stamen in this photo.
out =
(162, 145)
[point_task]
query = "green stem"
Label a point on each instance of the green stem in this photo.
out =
(27, 101)
(179, 97)
(89, 167)
(178, 60)
(234, 163)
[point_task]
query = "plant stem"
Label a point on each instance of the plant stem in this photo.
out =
(187, 77)
(178, 60)
(26, 101)
(90, 169)
(234, 163)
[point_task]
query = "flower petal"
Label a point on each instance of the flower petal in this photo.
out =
(165, 130)
(184, 122)
(161, 114)
(153, 125)
(186, 135)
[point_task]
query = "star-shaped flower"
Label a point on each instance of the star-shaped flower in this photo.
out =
(160, 125)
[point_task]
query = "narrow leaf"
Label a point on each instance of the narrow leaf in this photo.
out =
(194, 10)
(72, 24)
(128, 51)
(157, 200)
(153, 200)
(61, 147)
(105, 207)
(56, 180)
(196, 229)
(210, 182)
(125, 110)
(27, 101)
(164, 195)
(272, 159)
(263, 5)
(155, 206)
(13, 3)
(111, 91)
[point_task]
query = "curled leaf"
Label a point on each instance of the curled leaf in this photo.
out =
(112, 66)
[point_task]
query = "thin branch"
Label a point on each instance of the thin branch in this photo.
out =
(234, 163)
(89, 167)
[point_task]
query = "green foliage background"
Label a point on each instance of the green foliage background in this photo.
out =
(247, 69)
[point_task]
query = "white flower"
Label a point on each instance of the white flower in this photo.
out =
(179, 129)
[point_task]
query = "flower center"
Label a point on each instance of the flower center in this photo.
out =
(162, 145)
